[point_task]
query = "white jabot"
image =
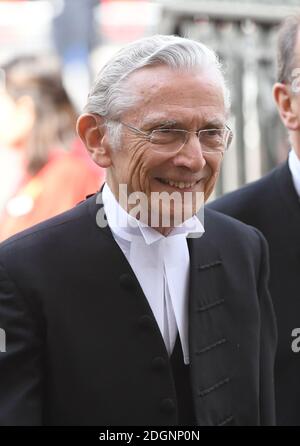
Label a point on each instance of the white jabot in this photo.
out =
(294, 165)
(161, 265)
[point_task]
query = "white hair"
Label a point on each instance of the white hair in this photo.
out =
(108, 96)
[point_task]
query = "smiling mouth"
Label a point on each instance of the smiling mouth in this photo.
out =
(178, 184)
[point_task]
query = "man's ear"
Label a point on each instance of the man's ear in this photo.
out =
(93, 134)
(286, 105)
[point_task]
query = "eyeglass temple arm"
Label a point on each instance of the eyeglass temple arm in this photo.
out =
(134, 129)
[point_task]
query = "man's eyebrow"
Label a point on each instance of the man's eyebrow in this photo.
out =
(160, 123)
(213, 124)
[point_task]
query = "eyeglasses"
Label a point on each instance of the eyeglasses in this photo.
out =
(172, 140)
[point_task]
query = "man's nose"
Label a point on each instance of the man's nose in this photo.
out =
(191, 154)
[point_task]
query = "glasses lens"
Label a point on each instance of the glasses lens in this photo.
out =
(171, 140)
(168, 140)
(214, 139)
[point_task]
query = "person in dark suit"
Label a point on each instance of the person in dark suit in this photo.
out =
(272, 205)
(115, 318)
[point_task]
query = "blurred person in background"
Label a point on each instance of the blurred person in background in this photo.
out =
(38, 127)
(272, 204)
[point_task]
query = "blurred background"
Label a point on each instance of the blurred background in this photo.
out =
(50, 51)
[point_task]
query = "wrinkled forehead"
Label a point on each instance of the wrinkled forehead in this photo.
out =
(175, 94)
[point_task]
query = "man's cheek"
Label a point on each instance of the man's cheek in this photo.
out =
(134, 180)
(210, 185)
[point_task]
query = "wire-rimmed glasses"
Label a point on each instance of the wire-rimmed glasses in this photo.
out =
(172, 140)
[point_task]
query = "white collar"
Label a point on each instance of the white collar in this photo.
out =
(127, 227)
(294, 165)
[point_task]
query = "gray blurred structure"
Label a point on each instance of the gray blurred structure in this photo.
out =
(74, 35)
(243, 33)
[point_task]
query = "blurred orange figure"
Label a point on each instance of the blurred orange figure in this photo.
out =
(38, 122)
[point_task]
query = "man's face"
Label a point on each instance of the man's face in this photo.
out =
(287, 99)
(193, 101)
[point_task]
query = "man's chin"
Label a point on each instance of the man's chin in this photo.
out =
(173, 217)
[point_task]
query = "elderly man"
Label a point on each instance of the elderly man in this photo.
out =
(110, 321)
(272, 205)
